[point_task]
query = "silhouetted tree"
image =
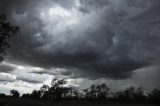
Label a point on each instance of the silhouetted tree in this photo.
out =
(139, 95)
(93, 91)
(56, 90)
(26, 95)
(6, 32)
(36, 94)
(44, 92)
(130, 94)
(103, 91)
(86, 93)
(99, 92)
(76, 94)
(2, 95)
(154, 96)
(44, 89)
(14, 93)
(125, 95)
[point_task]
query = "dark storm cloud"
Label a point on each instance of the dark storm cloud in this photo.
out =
(91, 5)
(6, 68)
(112, 39)
(20, 6)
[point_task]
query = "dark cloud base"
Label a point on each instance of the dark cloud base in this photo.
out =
(121, 41)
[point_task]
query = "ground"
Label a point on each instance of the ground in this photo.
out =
(28, 102)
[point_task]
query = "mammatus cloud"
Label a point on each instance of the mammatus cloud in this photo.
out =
(87, 38)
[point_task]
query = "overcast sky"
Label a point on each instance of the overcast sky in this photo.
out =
(116, 42)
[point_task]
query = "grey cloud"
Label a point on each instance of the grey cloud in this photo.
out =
(15, 5)
(69, 4)
(30, 79)
(112, 39)
(55, 72)
(91, 5)
(6, 68)
(150, 74)
(6, 78)
(146, 77)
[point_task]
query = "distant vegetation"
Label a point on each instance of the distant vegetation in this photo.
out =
(100, 93)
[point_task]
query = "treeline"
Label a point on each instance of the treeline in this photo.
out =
(13, 93)
(58, 92)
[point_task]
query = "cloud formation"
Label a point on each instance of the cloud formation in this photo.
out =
(89, 38)
(5, 68)
(30, 79)
(4, 77)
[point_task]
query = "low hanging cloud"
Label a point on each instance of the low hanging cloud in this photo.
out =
(4, 77)
(5, 68)
(29, 79)
(89, 38)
